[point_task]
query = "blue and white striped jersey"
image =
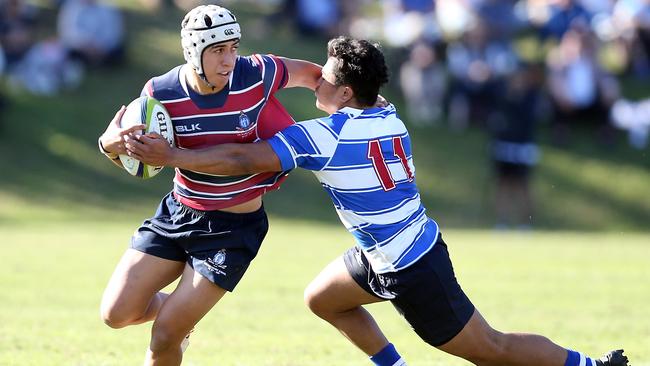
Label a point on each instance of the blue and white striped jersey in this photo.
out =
(363, 160)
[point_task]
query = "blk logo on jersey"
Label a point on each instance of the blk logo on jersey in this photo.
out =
(189, 128)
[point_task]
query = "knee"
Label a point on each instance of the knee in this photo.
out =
(113, 322)
(315, 301)
(113, 317)
(165, 337)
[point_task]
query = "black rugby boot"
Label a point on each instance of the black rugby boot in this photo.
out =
(613, 358)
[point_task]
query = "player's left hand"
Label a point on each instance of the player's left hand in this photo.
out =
(112, 140)
(151, 149)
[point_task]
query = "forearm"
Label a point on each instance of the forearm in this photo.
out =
(302, 73)
(226, 159)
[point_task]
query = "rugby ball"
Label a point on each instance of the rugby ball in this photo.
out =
(150, 112)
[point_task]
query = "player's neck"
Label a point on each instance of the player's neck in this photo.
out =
(199, 85)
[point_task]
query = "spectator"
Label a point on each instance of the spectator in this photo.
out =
(564, 14)
(17, 22)
(632, 18)
(317, 17)
(500, 17)
(92, 31)
(420, 17)
(580, 89)
(478, 65)
(46, 69)
(321, 18)
(454, 17)
(423, 80)
(514, 151)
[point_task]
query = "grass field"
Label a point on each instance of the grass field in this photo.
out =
(582, 277)
(586, 291)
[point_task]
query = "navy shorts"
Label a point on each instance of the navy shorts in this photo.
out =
(218, 245)
(426, 293)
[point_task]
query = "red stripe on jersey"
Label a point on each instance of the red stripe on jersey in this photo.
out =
(201, 141)
(234, 103)
(272, 118)
(273, 113)
(205, 188)
(211, 205)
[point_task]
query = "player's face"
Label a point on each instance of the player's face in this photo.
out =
(329, 96)
(219, 62)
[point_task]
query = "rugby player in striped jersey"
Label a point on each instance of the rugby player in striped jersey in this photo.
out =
(210, 227)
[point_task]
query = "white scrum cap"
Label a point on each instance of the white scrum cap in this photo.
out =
(203, 26)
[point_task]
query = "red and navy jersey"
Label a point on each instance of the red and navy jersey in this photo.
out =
(245, 110)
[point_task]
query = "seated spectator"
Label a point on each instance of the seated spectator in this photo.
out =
(581, 90)
(46, 69)
(17, 21)
(92, 31)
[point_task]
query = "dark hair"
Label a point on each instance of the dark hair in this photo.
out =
(360, 65)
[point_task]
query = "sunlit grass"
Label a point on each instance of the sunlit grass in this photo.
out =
(586, 291)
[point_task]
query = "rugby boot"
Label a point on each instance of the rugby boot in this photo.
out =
(613, 358)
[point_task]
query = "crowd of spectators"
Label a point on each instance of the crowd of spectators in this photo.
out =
(505, 66)
(43, 61)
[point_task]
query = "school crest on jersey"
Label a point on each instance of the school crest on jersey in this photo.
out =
(244, 121)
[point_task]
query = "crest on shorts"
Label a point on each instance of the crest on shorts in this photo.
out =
(244, 121)
(219, 258)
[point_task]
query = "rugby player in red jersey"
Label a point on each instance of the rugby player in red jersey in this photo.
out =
(209, 228)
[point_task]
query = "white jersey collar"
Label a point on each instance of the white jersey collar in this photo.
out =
(352, 112)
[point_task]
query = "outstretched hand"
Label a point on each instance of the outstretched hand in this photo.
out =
(151, 149)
